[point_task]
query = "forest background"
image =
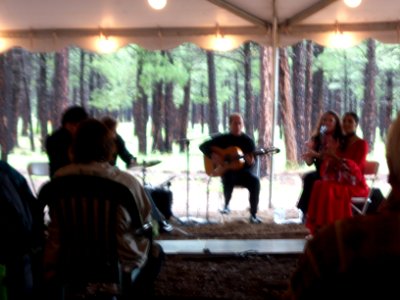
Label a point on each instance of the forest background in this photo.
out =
(167, 102)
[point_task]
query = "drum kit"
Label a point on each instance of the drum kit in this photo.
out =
(143, 167)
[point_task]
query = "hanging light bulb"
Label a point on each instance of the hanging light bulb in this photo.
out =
(106, 44)
(157, 4)
(352, 3)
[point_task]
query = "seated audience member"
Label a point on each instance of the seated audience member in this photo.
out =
(243, 176)
(356, 258)
(121, 150)
(92, 149)
(59, 142)
(328, 126)
(21, 232)
(341, 178)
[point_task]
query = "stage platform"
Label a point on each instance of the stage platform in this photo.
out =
(232, 247)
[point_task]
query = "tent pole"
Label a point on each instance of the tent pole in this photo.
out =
(274, 91)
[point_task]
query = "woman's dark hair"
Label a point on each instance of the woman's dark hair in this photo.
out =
(337, 133)
(353, 115)
(93, 142)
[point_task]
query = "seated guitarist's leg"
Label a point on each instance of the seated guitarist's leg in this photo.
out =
(252, 183)
(228, 183)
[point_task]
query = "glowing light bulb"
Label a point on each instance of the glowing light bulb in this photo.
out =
(106, 45)
(157, 4)
(341, 40)
(222, 43)
(352, 3)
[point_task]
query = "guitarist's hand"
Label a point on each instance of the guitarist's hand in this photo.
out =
(249, 158)
(216, 159)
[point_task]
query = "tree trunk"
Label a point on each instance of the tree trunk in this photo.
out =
(386, 107)
(184, 115)
(15, 60)
(266, 107)
(236, 97)
(42, 98)
(3, 110)
(84, 100)
(60, 83)
(369, 111)
(157, 116)
(308, 97)
(141, 111)
(286, 108)
(299, 94)
(212, 94)
(248, 90)
(26, 69)
(169, 117)
(318, 95)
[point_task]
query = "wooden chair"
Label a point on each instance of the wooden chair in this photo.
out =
(84, 209)
(360, 204)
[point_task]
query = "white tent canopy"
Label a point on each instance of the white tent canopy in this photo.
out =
(47, 25)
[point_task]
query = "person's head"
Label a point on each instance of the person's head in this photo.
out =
(349, 123)
(330, 123)
(110, 123)
(236, 124)
(72, 116)
(93, 142)
(392, 152)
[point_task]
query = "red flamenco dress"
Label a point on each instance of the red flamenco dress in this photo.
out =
(341, 180)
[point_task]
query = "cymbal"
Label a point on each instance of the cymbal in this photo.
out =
(150, 163)
(144, 164)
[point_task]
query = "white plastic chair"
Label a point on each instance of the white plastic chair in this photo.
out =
(360, 204)
(37, 169)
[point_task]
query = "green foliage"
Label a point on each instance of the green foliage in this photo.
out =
(119, 71)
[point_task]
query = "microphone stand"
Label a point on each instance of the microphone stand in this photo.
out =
(189, 220)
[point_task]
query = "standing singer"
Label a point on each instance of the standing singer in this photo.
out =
(234, 168)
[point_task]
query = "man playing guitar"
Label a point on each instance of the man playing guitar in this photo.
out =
(234, 169)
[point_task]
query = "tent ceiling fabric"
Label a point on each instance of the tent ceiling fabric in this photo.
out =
(47, 25)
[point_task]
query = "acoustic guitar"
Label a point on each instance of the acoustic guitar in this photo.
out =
(232, 158)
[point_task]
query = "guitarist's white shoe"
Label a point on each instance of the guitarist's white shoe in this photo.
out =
(255, 220)
(225, 210)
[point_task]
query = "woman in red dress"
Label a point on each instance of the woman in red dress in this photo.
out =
(342, 177)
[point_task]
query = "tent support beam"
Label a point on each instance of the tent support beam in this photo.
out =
(241, 13)
(309, 11)
(274, 91)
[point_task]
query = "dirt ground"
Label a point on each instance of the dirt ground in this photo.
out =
(244, 276)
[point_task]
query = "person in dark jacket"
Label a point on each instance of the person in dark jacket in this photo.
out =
(59, 142)
(121, 150)
(21, 234)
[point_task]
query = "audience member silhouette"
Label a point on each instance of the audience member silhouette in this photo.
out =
(21, 234)
(59, 142)
(92, 150)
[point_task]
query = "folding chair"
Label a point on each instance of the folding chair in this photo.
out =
(36, 169)
(360, 204)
